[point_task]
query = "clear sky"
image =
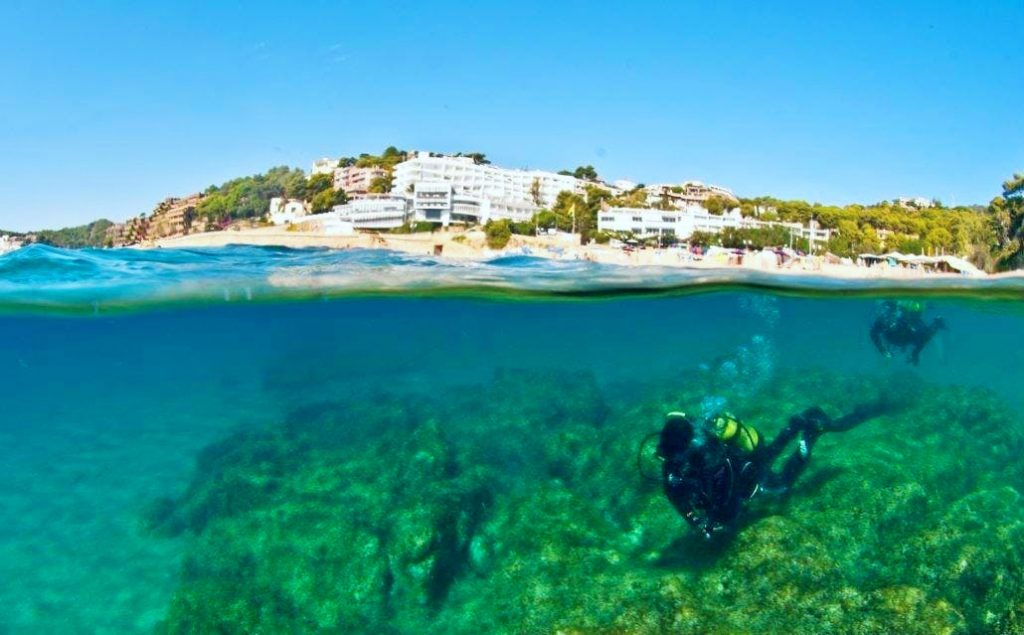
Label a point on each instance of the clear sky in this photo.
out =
(107, 107)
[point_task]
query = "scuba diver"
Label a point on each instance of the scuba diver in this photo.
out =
(901, 325)
(711, 468)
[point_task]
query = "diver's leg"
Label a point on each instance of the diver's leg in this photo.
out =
(915, 353)
(809, 425)
(795, 464)
(923, 337)
(781, 440)
(813, 419)
(876, 338)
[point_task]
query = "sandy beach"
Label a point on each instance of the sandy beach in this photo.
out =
(471, 245)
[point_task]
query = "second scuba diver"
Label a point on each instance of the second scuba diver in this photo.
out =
(901, 325)
(711, 468)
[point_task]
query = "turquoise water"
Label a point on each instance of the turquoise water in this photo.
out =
(291, 388)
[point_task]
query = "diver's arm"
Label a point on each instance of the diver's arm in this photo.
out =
(697, 522)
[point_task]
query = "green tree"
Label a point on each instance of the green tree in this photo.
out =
(498, 233)
(318, 183)
(479, 158)
(939, 240)
(869, 241)
(574, 214)
(535, 193)
(524, 228)
(1012, 208)
(381, 184)
(846, 239)
(717, 205)
(545, 219)
(249, 197)
(388, 159)
(703, 239)
(93, 234)
(585, 173)
(296, 186)
(326, 200)
(596, 196)
(637, 197)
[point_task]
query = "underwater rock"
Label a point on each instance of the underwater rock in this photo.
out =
(546, 399)
(236, 475)
(517, 507)
(908, 610)
(973, 556)
(342, 545)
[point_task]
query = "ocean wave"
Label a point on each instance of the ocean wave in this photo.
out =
(42, 278)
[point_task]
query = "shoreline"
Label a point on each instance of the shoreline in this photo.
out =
(471, 246)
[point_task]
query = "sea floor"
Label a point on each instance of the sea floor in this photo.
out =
(454, 466)
(519, 507)
(72, 492)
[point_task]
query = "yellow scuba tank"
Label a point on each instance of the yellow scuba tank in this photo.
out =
(731, 430)
(910, 306)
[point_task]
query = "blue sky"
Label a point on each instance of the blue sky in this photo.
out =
(107, 107)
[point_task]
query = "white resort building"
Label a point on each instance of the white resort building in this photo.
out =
(682, 223)
(9, 243)
(438, 202)
(915, 202)
(283, 212)
(441, 202)
(381, 212)
(512, 194)
(325, 165)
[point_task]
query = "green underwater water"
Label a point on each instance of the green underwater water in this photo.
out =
(469, 464)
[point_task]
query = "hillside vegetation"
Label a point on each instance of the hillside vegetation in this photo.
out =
(93, 234)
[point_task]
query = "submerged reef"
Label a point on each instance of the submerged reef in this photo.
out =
(515, 506)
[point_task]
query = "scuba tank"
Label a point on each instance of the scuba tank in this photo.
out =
(734, 432)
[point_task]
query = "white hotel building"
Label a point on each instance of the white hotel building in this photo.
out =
(682, 223)
(500, 192)
(379, 212)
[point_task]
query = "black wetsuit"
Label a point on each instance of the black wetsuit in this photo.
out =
(899, 327)
(708, 481)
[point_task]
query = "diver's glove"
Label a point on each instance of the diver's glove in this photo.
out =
(701, 524)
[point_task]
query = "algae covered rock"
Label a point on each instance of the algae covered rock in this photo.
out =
(974, 555)
(339, 544)
(516, 506)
